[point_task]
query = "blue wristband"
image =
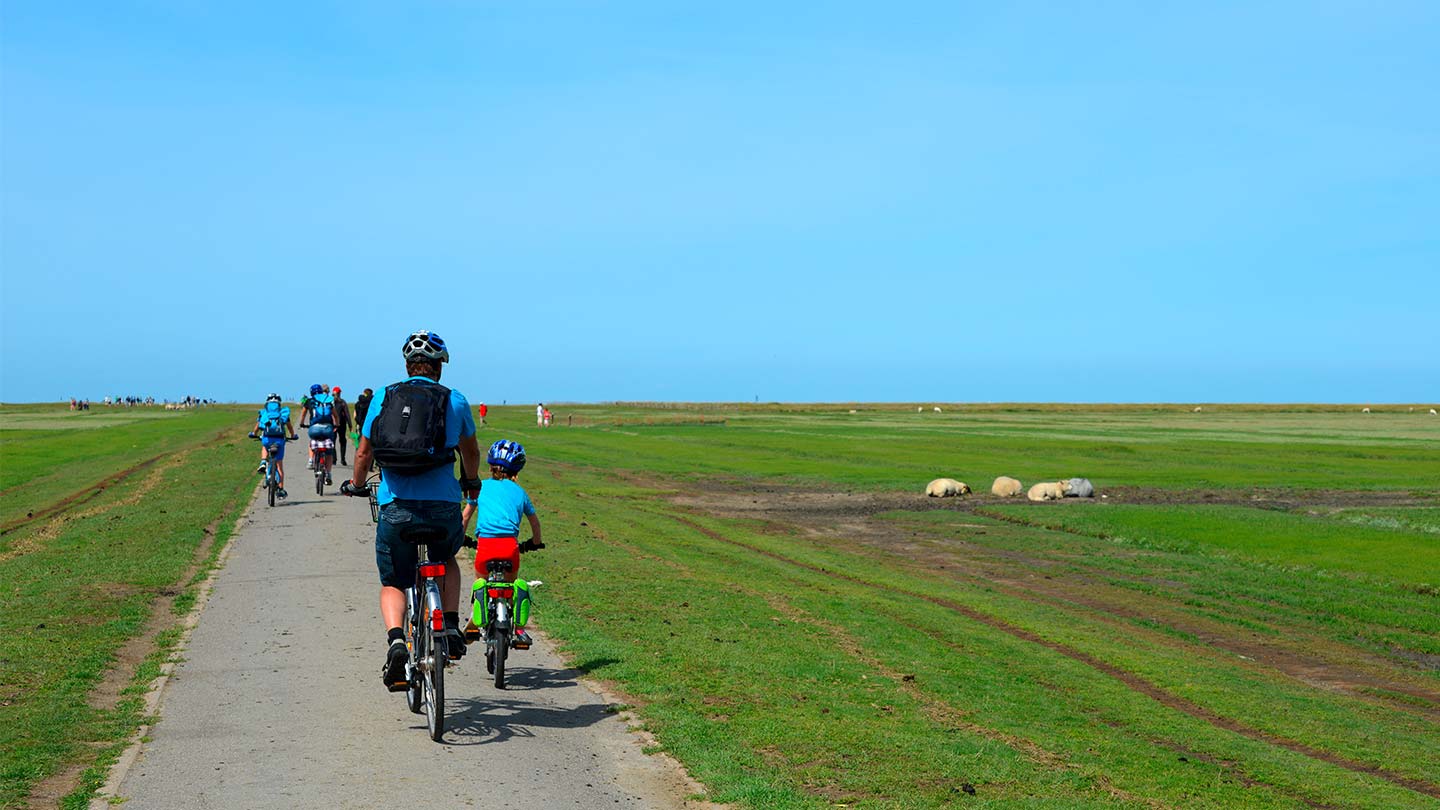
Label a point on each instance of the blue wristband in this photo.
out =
(471, 501)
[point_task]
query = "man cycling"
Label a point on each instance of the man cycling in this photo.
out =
(320, 414)
(270, 427)
(416, 492)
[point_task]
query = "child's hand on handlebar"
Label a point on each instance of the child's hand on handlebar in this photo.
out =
(531, 545)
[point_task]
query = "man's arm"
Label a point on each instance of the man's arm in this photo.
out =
(469, 459)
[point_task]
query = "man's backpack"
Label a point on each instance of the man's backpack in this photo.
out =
(322, 410)
(408, 434)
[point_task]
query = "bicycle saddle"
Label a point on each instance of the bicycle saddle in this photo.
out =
(422, 535)
(498, 566)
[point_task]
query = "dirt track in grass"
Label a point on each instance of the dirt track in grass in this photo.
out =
(848, 519)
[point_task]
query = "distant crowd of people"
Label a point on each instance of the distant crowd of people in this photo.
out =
(139, 402)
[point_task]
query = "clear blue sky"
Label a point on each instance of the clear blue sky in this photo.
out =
(814, 201)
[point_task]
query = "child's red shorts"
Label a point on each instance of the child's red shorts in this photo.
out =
(496, 548)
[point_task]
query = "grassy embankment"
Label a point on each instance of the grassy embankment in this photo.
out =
(1077, 653)
(110, 519)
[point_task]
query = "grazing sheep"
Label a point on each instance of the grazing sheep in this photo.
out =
(1197, 409)
(1080, 488)
(1364, 410)
(1048, 491)
(946, 488)
(1006, 487)
(919, 409)
(1432, 411)
(937, 409)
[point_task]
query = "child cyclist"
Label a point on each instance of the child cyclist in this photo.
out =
(270, 428)
(497, 527)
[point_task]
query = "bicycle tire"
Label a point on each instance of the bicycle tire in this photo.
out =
(319, 483)
(271, 487)
(435, 685)
(502, 649)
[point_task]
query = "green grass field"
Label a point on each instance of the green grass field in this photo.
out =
(804, 629)
(109, 518)
(1249, 619)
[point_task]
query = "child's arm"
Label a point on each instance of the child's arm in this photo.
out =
(535, 531)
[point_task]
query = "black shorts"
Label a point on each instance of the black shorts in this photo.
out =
(397, 558)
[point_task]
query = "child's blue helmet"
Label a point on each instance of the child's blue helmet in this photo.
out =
(508, 455)
(315, 389)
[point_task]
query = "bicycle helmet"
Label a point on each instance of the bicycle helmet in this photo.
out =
(315, 389)
(336, 392)
(508, 455)
(426, 345)
(272, 398)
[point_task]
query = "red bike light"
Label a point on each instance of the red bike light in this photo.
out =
(500, 593)
(433, 570)
(437, 620)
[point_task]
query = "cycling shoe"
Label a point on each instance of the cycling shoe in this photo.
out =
(455, 644)
(521, 641)
(393, 673)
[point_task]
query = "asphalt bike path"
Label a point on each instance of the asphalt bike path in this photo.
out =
(278, 702)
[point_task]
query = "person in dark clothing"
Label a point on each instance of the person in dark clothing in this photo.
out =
(362, 406)
(342, 422)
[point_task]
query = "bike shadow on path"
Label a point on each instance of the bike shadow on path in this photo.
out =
(495, 716)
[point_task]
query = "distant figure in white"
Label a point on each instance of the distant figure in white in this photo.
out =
(540, 415)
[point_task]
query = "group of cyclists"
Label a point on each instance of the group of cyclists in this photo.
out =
(415, 429)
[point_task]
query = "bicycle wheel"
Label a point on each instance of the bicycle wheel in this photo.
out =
(320, 484)
(435, 684)
(502, 647)
(271, 486)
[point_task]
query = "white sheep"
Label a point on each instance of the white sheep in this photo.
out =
(1197, 409)
(937, 409)
(919, 409)
(1364, 410)
(947, 488)
(1432, 411)
(1048, 491)
(1006, 487)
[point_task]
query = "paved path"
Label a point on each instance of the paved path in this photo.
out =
(278, 702)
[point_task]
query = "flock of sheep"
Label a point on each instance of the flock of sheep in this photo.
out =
(1007, 487)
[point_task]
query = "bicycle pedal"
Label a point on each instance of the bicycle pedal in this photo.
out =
(472, 636)
(520, 645)
(399, 686)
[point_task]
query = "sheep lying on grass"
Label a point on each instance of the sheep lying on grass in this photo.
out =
(946, 488)
(1080, 488)
(1048, 491)
(1006, 487)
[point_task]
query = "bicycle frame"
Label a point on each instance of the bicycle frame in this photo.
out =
(272, 473)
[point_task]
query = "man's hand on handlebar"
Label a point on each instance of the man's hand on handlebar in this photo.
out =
(347, 488)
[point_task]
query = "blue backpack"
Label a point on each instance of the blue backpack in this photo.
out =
(272, 422)
(322, 410)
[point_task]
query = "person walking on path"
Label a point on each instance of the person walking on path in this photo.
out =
(413, 429)
(540, 415)
(342, 423)
(483, 409)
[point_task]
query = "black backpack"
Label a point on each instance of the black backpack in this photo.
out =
(408, 434)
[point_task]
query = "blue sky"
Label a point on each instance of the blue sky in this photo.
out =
(831, 201)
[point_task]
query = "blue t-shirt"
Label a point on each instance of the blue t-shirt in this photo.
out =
(499, 507)
(439, 484)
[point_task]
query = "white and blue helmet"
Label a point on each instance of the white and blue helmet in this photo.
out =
(507, 455)
(426, 345)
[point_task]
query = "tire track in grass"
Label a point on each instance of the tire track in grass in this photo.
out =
(1129, 679)
(98, 488)
(938, 711)
(941, 712)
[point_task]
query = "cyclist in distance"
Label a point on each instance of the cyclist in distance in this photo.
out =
(413, 428)
(497, 527)
(320, 416)
(271, 426)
